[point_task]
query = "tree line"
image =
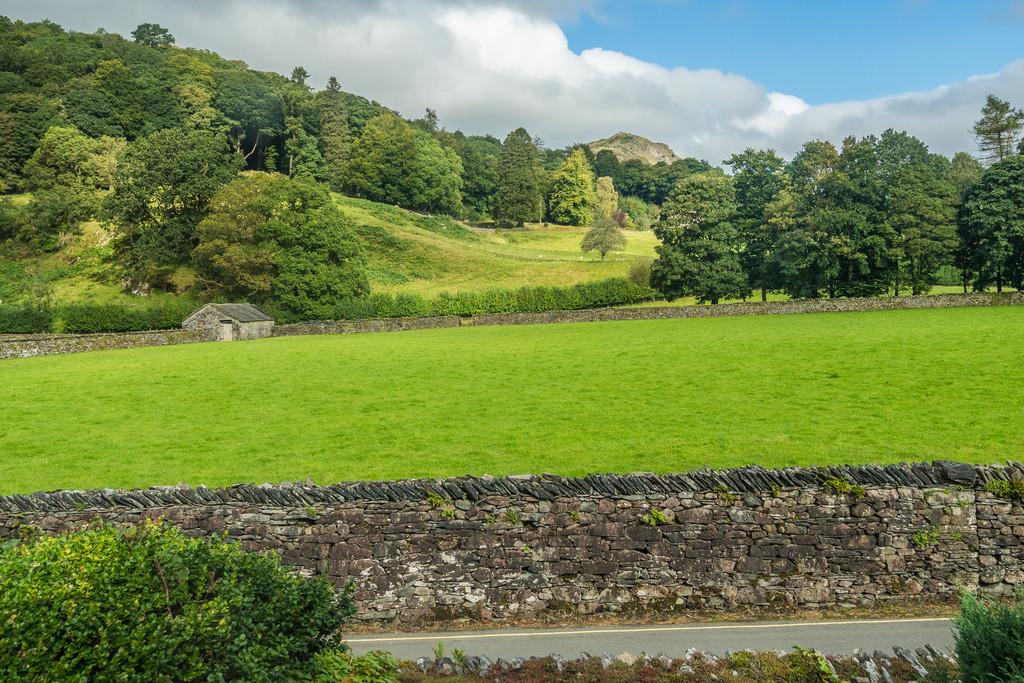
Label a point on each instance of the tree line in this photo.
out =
(878, 214)
(111, 88)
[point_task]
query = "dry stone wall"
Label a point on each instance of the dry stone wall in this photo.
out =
(27, 346)
(757, 308)
(531, 548)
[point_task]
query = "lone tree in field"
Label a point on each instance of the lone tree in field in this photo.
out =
(152, 35)
(518, 197)
(605, 236)
(572, 199)
(998, 130)
(698, 255)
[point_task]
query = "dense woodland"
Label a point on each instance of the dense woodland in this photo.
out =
(191, 159)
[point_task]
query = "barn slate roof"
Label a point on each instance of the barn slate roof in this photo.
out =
(243, 313)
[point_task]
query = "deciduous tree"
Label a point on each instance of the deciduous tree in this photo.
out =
(699, 253)
(605, 236)
(571, 200)
(758, 176)
(607, 198)
(162, 186)
(395, 163)
(282, 241)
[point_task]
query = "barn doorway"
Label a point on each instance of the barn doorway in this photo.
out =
(226, 331)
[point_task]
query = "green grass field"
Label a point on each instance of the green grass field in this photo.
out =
(621, 396)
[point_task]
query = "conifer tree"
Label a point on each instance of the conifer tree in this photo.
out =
(998, 130)
(518, 197)
(335, 137)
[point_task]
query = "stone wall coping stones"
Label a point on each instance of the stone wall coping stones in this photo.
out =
(751, 479)
(88, 335)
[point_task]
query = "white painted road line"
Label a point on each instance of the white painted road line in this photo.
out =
(457, 635)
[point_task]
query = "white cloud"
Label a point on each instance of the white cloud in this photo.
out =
(488, 67)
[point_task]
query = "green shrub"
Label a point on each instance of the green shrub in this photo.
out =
(340, 666)
(25, 319)
(149, 603)
(640, 272)
(990, 640)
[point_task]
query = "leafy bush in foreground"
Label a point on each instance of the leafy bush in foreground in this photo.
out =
(339, 666)
(990, 640)
(149, 603)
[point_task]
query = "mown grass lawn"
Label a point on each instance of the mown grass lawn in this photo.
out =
(571, 399)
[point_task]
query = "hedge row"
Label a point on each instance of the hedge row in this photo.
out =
(89, 318)
(611, 292)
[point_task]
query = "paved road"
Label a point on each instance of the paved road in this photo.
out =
(833, 637)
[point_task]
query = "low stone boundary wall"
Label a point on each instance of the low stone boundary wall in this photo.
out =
(657, 313)
(27, 346)
(360, 326)
(24, 346)
(757, 308)
(538, 547)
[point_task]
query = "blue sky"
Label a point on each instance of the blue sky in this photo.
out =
(819, 50)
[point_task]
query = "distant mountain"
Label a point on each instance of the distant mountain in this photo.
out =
(626, 147)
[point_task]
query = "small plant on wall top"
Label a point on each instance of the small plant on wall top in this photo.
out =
(843, 487)
(439, 503)
(1010, 489)
(727, 496)
(654, 517)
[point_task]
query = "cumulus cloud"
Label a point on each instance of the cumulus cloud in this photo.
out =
(488, 67)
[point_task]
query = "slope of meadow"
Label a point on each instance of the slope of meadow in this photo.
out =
(572, 399)
(408, 252)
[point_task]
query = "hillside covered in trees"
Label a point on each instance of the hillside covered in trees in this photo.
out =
(198, 173)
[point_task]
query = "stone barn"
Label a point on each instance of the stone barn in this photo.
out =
(232, 322)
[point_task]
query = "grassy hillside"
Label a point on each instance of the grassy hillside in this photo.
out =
(408, 252)
(427, 255)
(622, 396)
